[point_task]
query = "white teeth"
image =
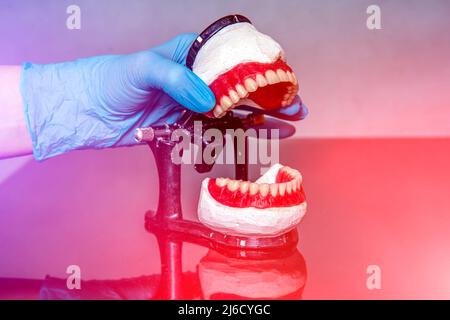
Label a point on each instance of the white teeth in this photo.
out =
(241, 91)
(291, 77)
(254, 188)
(244, 186)
(288, 98)
(272, 77)
(233, 185)
(300, 180)
(293, 88)
(289, 187)
(282, 188)
(294, 78)
(264, 189)
(221, 182)
(225, 103)
(250, 85)
(273, 189)
(233, 96)
(261, 81)
(217, 111)
(282, 75)
(286, 169)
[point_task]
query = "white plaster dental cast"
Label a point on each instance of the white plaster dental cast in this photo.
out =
(242, 66)
(271, 206)
(235, 44)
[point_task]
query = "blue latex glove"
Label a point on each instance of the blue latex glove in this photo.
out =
(98, 102)
(297, 109)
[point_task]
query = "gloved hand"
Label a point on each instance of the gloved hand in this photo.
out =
(297, 109)
(98, 102)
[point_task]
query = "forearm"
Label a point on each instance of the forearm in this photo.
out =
(96, 102)
(15, 139)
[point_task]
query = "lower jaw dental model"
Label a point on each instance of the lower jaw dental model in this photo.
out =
(243, 66)
(271, 206)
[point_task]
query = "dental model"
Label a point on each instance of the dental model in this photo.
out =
(271, 206)
(242, 66)
(225, 278)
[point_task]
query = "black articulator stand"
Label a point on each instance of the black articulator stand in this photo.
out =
(167, 221)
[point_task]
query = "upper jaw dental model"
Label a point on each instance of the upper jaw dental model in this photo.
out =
(271, 206)
(242, 66)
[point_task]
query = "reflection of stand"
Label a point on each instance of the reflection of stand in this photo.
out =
(167, 221)
(171, 236)
(278, 274)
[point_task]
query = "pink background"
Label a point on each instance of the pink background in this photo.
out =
(357, 82)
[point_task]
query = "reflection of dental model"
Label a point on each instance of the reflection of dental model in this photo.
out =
(224, 278)
(242, 66)
(272, 205)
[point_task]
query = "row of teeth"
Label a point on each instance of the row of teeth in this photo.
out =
(264, 188)
(250, 85)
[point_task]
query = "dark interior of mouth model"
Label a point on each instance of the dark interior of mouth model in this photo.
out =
(242, 66)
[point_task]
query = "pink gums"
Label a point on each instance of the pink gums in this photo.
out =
(268, 97)
(237, 199)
